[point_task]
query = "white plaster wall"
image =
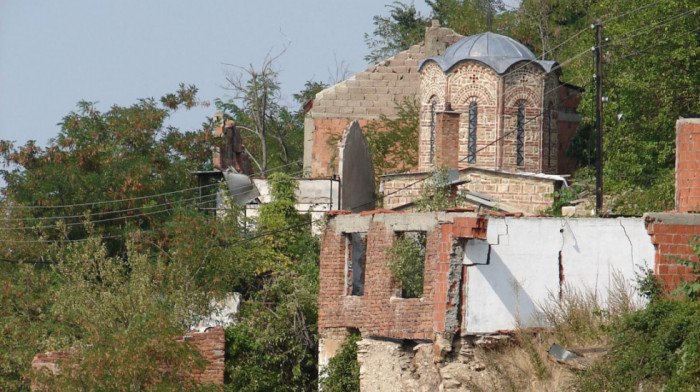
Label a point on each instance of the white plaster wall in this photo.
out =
(523, 265)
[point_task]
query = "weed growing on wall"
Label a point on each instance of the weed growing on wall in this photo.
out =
(343, 371)
(408, 262)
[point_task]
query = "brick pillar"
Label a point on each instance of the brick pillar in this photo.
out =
(446, 140)
(688, 165)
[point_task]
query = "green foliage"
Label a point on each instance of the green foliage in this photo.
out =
(272, 133)
(648, 285)
(123, 153)
(274, 345)
(437, 194)
(27, 323)
(407, 263)
(692, 288)
(343, 371)
(120, 318)
(657, 348)
(468, 17)
(402, 28)
(393, 143)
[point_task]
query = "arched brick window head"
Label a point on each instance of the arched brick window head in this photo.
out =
(432, 129)
(471, 151)
(519, 149)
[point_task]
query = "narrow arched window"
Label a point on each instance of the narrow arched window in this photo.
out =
(519, 149)
(471, 150)
(549, 136)
(432, 131)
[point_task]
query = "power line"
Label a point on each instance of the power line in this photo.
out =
(658, 43)
(646, 29)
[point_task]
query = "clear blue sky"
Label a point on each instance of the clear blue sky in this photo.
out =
(56, 53)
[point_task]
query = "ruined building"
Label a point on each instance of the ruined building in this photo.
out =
(502, 120)
(483, 275)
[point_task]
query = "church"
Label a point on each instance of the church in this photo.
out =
(490, 111)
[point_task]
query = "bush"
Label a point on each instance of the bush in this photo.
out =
(408, 263)
(343, 371)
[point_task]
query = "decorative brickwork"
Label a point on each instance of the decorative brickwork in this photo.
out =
(671, 235)
(378, 312)
(210, 344)
(688, 165)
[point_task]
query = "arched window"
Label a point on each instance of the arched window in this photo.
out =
(519, 149)
(471, 150)
(432, 130)
(549, 135)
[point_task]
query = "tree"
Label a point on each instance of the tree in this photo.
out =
(103, 166)
(468, 17)
(393, 142)
(402, 28)
(275, 344)
(123, 315)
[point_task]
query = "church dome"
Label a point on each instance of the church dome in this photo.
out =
(494, 50)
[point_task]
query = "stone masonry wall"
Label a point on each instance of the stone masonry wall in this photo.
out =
(366, 96)
(527, 193)
(210, 344)
(378, 312)
(671, 235)
(688, 165)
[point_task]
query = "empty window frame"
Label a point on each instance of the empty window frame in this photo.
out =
(520, 127)
(355, 260)
(408, 263)
(471, 150)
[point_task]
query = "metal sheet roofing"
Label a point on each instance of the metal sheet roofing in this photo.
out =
(494, 50)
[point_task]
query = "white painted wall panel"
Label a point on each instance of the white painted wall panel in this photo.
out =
(524, 265)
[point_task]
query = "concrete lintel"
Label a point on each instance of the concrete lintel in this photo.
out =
(411, 221)
(672, 219)
(352, 223)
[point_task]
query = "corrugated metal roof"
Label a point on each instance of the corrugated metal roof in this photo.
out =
(494, 50)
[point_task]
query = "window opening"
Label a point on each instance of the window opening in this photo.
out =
(521, 135)
(408, 263)
(471, 150)
(432, 131)
(549, 136)
(355, 259)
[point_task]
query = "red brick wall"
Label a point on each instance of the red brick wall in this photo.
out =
(378, 312)
(688, 165)
(671, 235)
(210, 345)
(324, 156)
(447, 139)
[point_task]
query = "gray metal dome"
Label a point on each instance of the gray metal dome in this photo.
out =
(496, 51)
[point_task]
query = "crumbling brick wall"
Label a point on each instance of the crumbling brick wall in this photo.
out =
(671, 235)
(365, 97)
(210, 344)
(378, 312)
